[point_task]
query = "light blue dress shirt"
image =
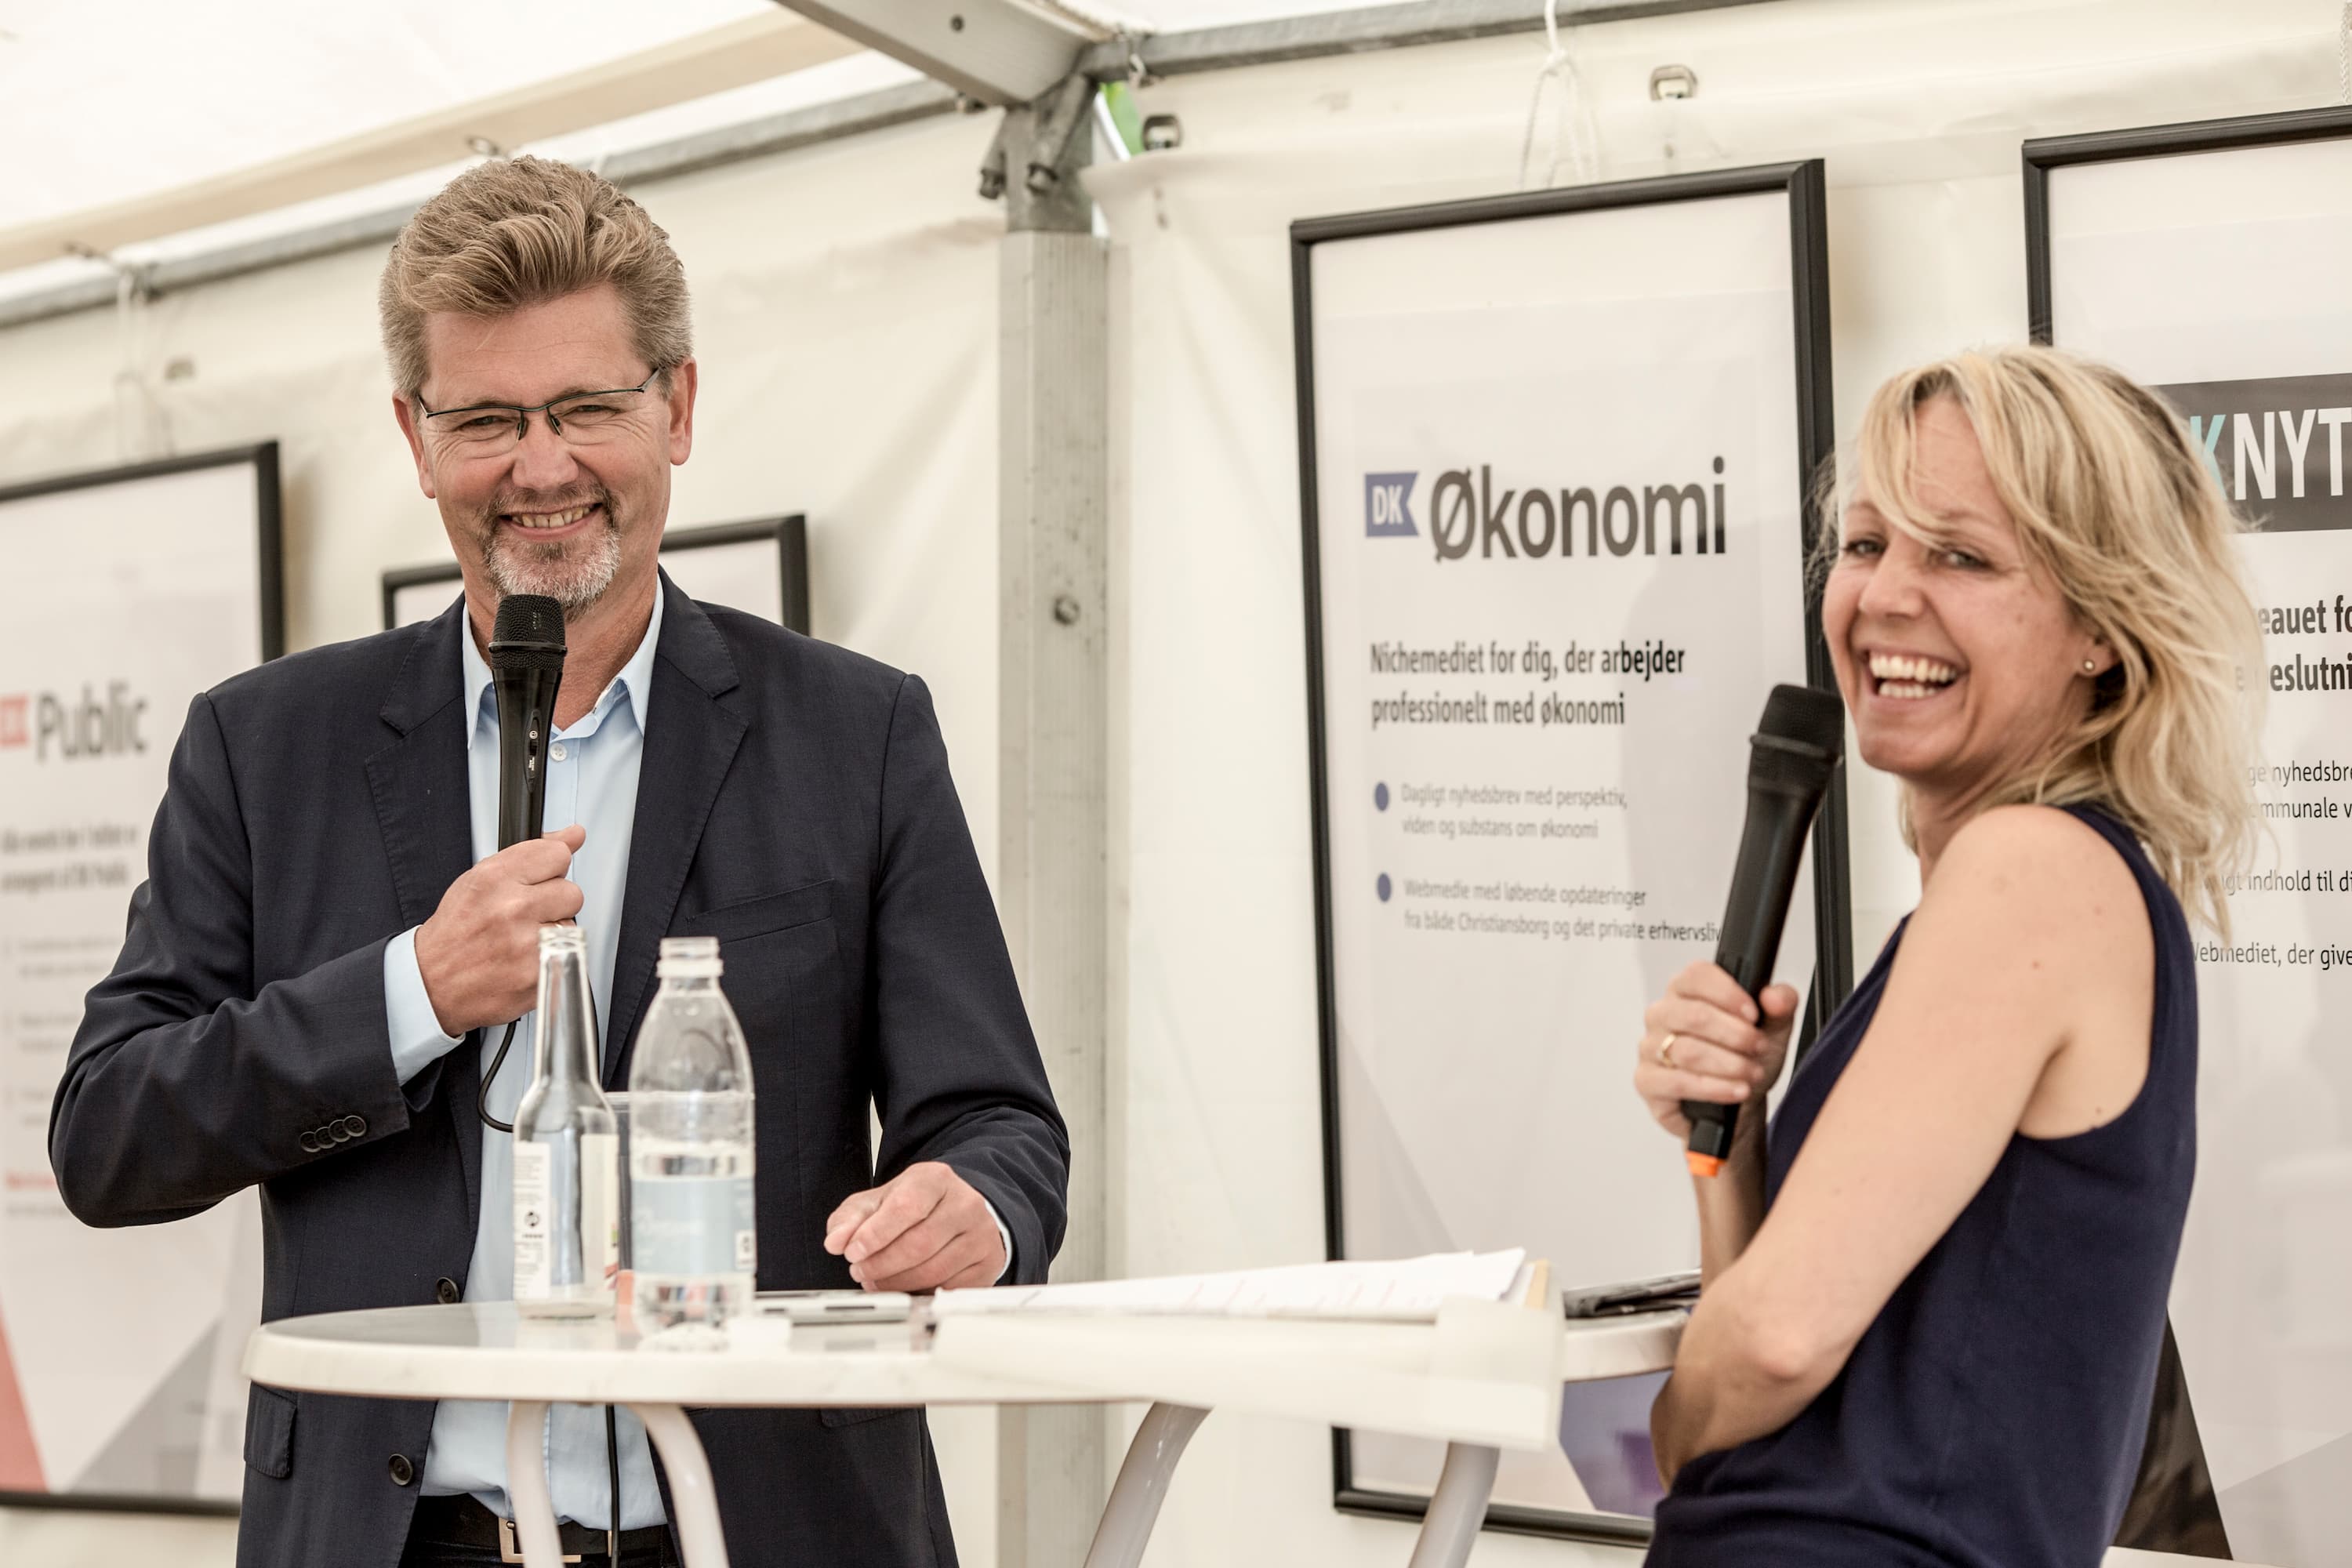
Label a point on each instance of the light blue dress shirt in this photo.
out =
(592, 779)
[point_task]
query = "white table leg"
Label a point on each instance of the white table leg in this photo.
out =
(1459, 1506)
(534, 1514)
(699, 1536)
(1143, 1485)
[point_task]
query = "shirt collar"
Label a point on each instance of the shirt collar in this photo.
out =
(635, 680)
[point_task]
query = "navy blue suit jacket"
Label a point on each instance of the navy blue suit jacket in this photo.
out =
(794, 802)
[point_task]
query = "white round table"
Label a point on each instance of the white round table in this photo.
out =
(1482, 1377)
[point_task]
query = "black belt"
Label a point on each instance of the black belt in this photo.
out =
(462, 1522)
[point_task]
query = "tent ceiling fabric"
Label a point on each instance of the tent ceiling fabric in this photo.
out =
(761, 46)
(106, 102)
(152, 133)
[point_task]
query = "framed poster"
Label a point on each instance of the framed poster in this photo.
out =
(1557, 454)
(2206, 260)
(758, 567)
(140, 587)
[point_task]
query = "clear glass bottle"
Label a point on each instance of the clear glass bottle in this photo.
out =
(567, 1211)
(694, 1242)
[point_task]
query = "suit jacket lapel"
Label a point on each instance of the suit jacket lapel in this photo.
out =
(691, 736)
(423, 807)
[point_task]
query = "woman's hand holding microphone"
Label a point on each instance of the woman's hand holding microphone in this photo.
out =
(1702, 1040)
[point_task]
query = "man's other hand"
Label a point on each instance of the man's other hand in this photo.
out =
(926, 1229)
(478, 954)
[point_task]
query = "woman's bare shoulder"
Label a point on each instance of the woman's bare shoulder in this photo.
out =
(2039, 877)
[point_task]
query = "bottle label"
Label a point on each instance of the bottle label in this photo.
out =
(542, 1252)
(692, 1225)
(533, 1226)
(599, 1207)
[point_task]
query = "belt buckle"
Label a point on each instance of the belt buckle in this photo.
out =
(508, 1552)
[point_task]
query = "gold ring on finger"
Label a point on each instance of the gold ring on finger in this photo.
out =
(1666, 1050)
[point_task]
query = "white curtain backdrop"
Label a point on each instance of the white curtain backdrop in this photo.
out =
(1917, 107)
(844, 304)
(845, 313)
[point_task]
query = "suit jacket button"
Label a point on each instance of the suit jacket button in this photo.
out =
(358, 1126)
(310, 1143)
(402, 1472)
(445, 1291)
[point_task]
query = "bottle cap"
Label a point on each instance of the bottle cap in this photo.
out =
(561, 938)
(689, 958)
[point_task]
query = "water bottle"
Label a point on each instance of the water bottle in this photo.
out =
(567, 1175)
(694, 1248)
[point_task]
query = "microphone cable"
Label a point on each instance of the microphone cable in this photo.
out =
(482, 1095)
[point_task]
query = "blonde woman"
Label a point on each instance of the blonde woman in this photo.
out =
(1936, 1292)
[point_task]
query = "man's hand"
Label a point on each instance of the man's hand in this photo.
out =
(478, 954)
(925, 1230)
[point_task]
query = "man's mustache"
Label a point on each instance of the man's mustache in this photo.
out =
(502, 505)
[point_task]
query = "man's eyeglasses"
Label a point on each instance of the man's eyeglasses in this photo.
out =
(582, 419)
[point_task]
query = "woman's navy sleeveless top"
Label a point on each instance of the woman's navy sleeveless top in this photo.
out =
(1993, 1413)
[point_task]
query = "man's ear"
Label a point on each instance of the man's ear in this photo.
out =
(406, 417)
(683, 382)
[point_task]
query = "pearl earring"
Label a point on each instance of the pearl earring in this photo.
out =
(2090, 667)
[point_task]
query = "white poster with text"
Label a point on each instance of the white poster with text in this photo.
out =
(118, 1349)
(2217, 278)
(1559, 561)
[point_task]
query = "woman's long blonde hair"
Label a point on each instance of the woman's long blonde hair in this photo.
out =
(2116, 504)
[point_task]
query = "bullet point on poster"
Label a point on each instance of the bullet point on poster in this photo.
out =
(1380, 796)
(1382, 886)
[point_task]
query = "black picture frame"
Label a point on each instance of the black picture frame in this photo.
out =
(789, 532)
(1804, 185)
(2174, 1505)
(269, 523)
(271, 569)
(2047, 152)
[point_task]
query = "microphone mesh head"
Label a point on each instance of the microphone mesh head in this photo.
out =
(527, 633)
(1806, 715)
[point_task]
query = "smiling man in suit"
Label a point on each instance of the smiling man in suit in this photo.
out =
(326, 934)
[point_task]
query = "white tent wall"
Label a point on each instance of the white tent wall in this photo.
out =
(844, 311)
(845, 298)
(844, 303)
(1917, 107)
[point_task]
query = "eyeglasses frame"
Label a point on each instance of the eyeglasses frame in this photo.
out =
(522, 414)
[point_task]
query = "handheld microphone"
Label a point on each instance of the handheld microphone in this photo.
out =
(526, 671)
(1793, 752)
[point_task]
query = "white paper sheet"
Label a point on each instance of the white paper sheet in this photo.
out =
(1404, 1290)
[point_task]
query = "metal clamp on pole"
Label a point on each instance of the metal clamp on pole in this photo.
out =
(1046, 141)
(1061, 116)
(992, 168)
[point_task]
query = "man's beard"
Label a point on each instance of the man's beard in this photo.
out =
(574, 572)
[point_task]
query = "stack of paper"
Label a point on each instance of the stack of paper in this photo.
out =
(1407, 1290)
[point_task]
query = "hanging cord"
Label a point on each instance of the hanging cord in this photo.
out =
(2344, 54)
(482, 1095)
(612, 1472)
(1574, 109)
(137, 418)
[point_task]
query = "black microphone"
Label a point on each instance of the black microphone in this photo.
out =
(1792, 754)
(526, 670)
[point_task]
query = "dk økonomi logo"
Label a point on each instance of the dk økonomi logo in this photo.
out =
(1388, 506)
